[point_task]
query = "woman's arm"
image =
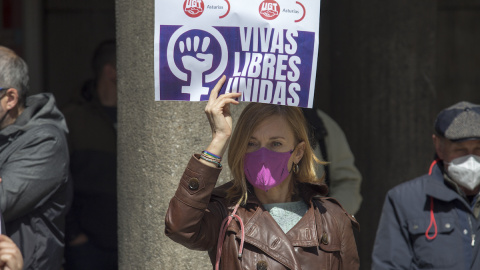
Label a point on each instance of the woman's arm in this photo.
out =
(220, 119)
(191, 219)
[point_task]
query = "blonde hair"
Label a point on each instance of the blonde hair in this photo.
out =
(250, 118)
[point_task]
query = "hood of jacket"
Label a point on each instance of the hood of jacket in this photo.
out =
(40, 109)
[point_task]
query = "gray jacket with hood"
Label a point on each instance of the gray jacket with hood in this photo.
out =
(35, 190)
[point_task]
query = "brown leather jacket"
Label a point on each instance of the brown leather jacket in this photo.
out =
(322, 239)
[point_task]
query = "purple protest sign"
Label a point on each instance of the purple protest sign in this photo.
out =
(268, 63)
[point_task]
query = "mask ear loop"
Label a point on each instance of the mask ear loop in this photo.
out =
(3, 117)
(6, 112)
(221, 236)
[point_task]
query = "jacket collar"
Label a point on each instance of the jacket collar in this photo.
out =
(440, 187)
(271, 241)
(263, 232)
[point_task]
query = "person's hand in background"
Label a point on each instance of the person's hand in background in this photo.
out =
(10, 256)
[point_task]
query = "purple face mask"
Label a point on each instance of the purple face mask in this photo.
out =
(265, 169)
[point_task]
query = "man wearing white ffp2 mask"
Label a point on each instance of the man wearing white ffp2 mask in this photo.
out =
(461, 163)
(424, 218)
(465, 171)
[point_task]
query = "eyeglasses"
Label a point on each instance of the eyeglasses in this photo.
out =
(5, 93)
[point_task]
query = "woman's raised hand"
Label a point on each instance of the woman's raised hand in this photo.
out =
(219, 117)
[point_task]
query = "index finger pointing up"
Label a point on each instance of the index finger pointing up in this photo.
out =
(216, 89)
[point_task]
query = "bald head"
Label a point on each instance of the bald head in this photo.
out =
(13, 73)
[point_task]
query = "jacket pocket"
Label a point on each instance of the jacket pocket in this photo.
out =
(434, 252)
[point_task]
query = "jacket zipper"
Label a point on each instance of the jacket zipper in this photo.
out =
(471, 229)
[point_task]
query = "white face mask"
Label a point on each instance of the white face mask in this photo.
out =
(465, 171)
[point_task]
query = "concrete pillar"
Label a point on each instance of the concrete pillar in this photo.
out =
(155, 142)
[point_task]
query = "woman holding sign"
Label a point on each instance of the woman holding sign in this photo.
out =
(272, 215)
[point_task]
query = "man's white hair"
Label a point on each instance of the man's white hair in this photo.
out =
(13, 73)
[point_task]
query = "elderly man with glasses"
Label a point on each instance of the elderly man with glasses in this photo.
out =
(34, 187)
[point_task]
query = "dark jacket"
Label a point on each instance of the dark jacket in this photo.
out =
(34, 192)
(322, 239)
(2, 224)
(93, 165)
(407, 214)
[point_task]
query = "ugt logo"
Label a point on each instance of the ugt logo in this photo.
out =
(269, 9)
(197, 56)
(193, 8)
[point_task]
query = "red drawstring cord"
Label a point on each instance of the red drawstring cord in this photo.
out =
(223, 230)
(432, 221)
(432, 216)
(431, 167)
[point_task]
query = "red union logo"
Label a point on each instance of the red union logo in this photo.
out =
(269, 9)
(193, 8)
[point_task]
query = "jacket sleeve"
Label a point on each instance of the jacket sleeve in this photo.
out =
(349, 252)
(345, 179)
(191, 219)
(336, 234)
(34, 171)
(344, 224)
(391, 249)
